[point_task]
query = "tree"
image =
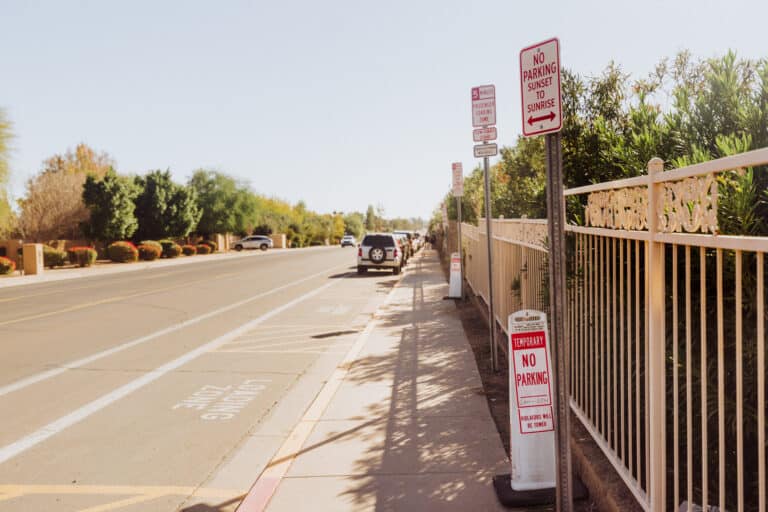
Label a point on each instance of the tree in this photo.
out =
(83, 160)
(225, 205)
(6, 214)
(53, 207)
(111, 205)
(353, 224)
(370, 218)
(164, 209)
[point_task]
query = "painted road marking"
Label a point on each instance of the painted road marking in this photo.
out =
(38, 377)
(110, 300)
(138, 494)
(222, 402)
(264, 488)
(9, 451)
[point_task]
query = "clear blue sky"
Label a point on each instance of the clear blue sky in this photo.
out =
(341, 104)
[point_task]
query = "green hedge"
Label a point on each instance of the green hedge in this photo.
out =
(170, 249)
(53, 258)
(153, 243)
(150, 252)
(82, 256)
(123, 252)
(7, 265)
(210, 243)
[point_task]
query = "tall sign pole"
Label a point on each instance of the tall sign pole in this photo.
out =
(484, 116)
(542, 114)
(457, 171)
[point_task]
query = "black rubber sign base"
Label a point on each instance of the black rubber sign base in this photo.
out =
(535, 498)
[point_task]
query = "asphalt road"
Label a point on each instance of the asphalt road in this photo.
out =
(170, 388)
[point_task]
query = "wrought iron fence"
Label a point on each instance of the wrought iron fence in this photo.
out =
(666, 323)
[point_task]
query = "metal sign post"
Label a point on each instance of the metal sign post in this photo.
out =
(458, 191)
(542, 114)
(489, 240)
(484, 116)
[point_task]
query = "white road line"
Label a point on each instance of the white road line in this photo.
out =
(9, 451)
(38, 377)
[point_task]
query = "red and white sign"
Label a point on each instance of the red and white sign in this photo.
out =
(531, 412)
(484, 105)
(458, 179)
(455, 262)
(532, 380)
(540, 88)
(484, 134)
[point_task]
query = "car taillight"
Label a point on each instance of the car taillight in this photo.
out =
(360, 251)
(395, 254)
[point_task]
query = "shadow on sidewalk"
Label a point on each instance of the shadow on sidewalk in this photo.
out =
(432, 444)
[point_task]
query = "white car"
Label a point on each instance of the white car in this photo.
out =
(254, 242)
(379, 251)
(348, 240)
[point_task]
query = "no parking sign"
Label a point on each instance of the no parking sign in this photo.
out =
(532, 443)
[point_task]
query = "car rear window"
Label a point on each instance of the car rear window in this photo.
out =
(378, 241)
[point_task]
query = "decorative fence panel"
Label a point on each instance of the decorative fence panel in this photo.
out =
(666, 322)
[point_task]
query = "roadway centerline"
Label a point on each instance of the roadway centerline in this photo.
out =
(12, 450)
(38, 377)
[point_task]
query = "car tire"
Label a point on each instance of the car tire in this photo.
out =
(396, 270)
(238, 247)
(263, 247)
(362, 270)
(377, 254)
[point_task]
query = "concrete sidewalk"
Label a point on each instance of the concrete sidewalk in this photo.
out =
(402, 425)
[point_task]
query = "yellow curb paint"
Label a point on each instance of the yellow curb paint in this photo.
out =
(122, 503)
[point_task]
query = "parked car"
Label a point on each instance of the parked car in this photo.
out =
(408, 245)
(405, 246)
(254, 242)
(348, 240)
(379, 251)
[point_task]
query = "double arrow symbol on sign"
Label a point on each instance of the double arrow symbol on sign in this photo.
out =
(550, 116)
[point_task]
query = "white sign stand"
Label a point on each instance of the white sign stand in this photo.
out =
(532, 429)
(454, 285)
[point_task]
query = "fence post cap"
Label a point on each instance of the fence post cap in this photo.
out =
(655, 165)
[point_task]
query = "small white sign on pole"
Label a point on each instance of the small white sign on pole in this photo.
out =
(457, 179)
(540, 88)
(483, 150)
(530, 402)
(484, 134)
(454, 285)
(484, 105)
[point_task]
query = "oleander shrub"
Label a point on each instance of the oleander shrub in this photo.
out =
(82, 256)
(170, 249)
(189, 250)
(203, 249)
(123, 252)
(153, 243)
(210, 243)
(7, 265)
(150, 252)
(53, 258)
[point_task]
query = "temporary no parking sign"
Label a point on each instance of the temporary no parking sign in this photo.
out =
(540, 88)
(531, 375)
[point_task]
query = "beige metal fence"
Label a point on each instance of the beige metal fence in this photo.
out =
(519, 253)
(667, 328)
